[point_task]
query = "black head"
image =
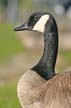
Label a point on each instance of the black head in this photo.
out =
(39, 22)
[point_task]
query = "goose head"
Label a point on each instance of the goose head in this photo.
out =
(40, 22)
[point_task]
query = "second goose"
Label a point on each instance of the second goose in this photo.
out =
(40, 87)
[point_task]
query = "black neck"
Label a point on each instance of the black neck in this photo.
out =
(46, 65)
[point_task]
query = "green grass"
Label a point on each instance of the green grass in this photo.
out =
(8, 96)
(28, 4)
(66, 55)
(9, 44)
(64, 60)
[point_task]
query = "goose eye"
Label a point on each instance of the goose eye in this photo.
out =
(36, 18)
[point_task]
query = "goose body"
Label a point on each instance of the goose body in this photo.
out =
(35, 92)
(40, 87)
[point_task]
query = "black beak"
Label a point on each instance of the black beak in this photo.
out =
(22, 28)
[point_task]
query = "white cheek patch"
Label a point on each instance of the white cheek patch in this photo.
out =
(40, 25)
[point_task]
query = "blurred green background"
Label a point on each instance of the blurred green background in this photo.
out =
(20, 51)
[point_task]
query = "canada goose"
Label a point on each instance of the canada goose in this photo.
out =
(40, 87)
